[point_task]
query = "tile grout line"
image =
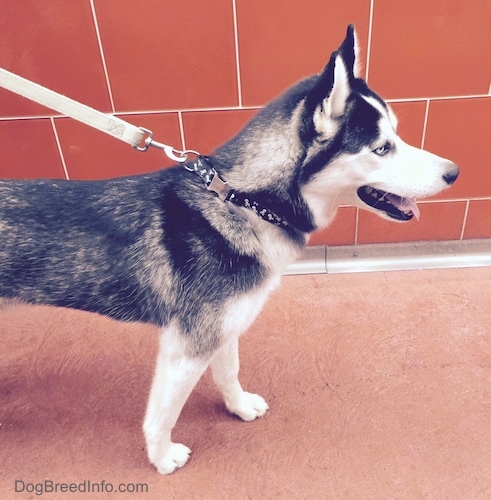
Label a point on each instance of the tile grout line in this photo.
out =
(27, 118)
(58, 145)
(234, 108)
(190, 110)
(369, 41)
(438, 98)
(464, 222)
(455, 200)
(425, 123)
(103, 58)
(357, 220)
(237, 58)
(139, 112)
(181, 130)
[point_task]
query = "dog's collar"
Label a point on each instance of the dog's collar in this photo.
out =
(203, 168)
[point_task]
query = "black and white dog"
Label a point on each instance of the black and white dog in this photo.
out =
(183, 249)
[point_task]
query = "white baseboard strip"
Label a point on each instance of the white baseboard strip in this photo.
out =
(393, 257)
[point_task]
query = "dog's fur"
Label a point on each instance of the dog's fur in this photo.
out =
(162, 249)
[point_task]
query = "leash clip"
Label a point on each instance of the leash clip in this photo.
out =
(171, 152)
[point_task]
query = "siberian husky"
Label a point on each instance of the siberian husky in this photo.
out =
(197, 250)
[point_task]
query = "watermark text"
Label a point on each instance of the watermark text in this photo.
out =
(48, 486)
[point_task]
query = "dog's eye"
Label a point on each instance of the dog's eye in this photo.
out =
(383, 150)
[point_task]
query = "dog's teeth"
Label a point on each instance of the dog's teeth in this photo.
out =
(373, 193)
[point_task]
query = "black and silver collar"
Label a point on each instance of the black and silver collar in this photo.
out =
(213, 182)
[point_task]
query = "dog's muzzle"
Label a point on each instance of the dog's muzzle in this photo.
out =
(398, 207)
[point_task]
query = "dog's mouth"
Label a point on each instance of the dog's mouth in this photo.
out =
(397, 207)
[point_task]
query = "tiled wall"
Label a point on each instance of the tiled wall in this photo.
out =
(195, 71)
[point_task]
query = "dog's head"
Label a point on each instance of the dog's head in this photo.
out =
(354, 155)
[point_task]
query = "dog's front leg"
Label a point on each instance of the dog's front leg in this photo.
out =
(225, 368)
(175, 376)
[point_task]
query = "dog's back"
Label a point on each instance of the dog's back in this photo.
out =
(144, 248)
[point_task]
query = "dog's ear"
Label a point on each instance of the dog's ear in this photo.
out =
(326, 101)
(349, 52)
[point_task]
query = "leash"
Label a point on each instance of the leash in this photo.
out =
(139, 137)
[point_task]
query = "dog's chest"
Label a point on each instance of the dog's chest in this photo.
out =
(241, 311)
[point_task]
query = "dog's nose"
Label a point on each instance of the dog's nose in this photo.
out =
(451, 176)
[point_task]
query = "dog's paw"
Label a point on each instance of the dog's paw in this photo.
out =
(248, 406)
(177, 455)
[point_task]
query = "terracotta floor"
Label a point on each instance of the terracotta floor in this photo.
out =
(378, 384)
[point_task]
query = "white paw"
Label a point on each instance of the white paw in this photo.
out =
(177, 455)
(248, 406)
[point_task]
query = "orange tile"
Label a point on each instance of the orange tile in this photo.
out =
(29, 150)
(340, 232)
(459, 129)
(478, 223)
(411, 116)
(205, 131)
(169, 55)
(423, 49)
(281, 43)
(53, 43)
(90, 154)
(439, 221)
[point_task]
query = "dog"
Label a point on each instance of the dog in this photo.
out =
(197, 249)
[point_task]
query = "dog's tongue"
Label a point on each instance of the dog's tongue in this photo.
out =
(405, 204)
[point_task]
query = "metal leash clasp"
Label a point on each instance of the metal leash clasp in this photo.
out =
(218, 186)
(171, 152)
